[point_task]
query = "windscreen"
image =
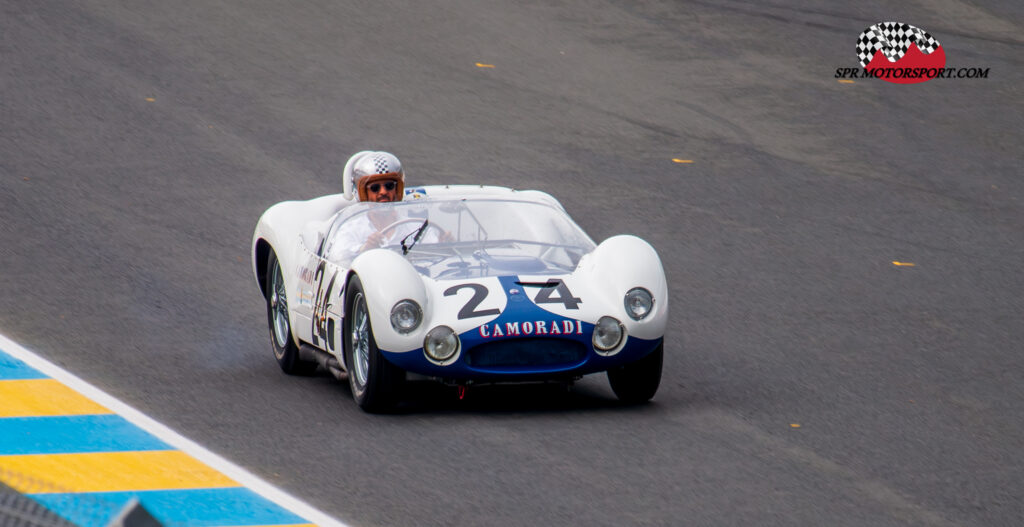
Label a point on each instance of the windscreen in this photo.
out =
(462, 238)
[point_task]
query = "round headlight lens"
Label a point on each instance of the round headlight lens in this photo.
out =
(638, 303)
(441, 343)
(406, 316)
(607, 334)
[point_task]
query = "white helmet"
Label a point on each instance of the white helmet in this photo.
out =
(368, 166)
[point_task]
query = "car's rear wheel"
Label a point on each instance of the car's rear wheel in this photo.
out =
(375, 382)
(285, 350)
(638, 381)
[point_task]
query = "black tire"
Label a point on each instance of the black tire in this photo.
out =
(375, 382)
(281, 339)
(638, 381)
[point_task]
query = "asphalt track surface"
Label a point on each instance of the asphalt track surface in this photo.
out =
(141, 140)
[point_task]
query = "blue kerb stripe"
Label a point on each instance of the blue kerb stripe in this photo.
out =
(12, 369)
(112, 433)
(195, 508)
(73, 435)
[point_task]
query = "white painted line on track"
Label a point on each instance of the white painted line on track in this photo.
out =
(165, 434)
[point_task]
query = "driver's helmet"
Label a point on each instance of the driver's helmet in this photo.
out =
(368, 167)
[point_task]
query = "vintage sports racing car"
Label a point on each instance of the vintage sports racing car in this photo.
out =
(481, 285)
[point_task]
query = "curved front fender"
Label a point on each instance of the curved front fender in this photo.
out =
(387, 277)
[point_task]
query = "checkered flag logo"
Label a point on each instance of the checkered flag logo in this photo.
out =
(893, 39)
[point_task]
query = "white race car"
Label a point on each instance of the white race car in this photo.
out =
(474, 284)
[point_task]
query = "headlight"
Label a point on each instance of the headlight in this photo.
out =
(638, 303)
(406, 316)
(441, 343)
(607, 334)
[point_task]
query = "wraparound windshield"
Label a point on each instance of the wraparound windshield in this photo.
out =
(464, 237)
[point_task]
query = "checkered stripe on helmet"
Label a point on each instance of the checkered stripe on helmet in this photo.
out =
(375, 163)
(894, 39)
(381, 164)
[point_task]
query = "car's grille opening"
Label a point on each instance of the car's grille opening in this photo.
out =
(512, 353)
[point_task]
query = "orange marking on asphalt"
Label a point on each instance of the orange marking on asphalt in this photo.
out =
(845, 81)
(675, 160)
(150, 99)
(482, 65)
(794, 425)
(903, 264)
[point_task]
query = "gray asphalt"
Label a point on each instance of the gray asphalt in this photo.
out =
(141, 140)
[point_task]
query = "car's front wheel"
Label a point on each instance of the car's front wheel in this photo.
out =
(375, 382)
(638, 381)
(285, 350)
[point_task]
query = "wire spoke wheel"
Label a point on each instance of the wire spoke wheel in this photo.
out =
(279, 308)
(286, 349)
(360, 340)
(375, 382)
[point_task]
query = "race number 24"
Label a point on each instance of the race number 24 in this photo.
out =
(551, 292)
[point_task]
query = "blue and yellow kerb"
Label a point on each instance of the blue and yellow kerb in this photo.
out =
(85, 462)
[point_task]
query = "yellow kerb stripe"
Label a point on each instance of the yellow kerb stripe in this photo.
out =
(109, 472)
(43, 397)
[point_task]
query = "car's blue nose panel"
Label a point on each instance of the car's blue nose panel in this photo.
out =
(524, 342)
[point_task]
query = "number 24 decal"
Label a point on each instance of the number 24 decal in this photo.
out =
(546, 295)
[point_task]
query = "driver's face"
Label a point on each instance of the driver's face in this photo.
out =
(382, 191)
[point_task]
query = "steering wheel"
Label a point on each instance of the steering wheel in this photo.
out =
(440, 232)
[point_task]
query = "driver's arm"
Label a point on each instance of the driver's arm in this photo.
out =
(355, 238)
(373, 241)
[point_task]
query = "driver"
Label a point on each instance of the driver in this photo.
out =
(378, 177)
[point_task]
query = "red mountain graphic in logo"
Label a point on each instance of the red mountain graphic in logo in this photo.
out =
(913, 58)
(898, 46)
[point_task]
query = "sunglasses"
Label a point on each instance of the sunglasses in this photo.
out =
(389, 186)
